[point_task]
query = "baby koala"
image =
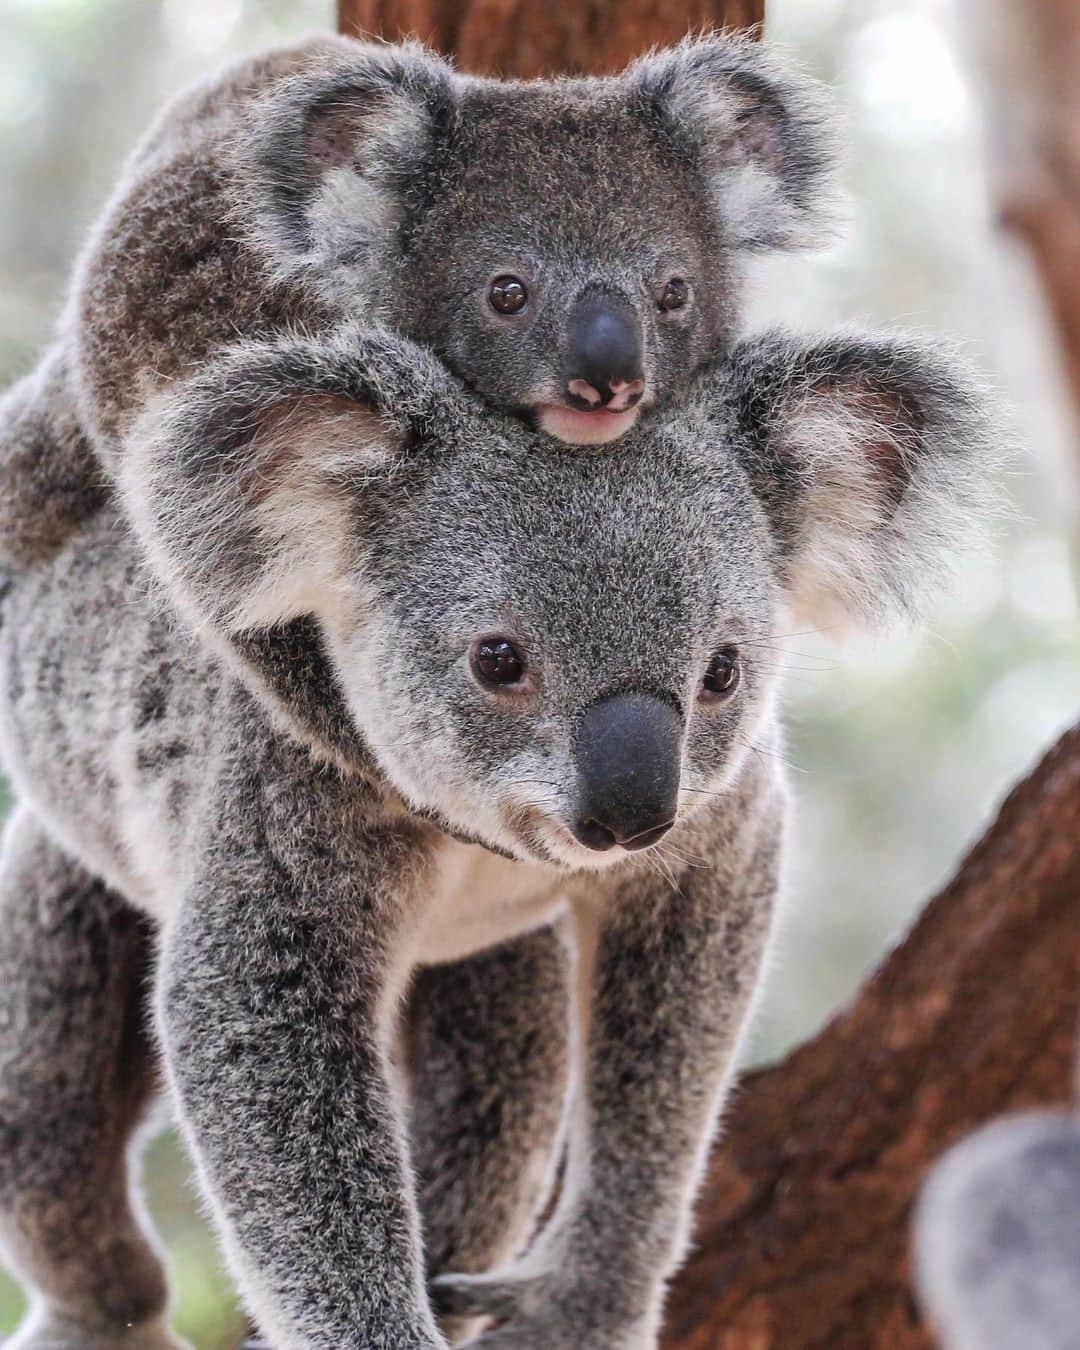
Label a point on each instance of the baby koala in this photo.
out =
(358, 702)
(571, 248)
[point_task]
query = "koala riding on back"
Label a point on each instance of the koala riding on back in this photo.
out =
(572, 248)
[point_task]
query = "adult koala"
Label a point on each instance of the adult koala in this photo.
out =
(571, 248)
(362, 678)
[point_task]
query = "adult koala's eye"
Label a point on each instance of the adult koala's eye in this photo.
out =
(673, 295)
(497, 662)
(722, 676)
(508, 295)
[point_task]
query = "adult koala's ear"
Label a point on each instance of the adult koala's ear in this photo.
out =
(247, 483)
(872, 457)
(324, 159)
(761, 133)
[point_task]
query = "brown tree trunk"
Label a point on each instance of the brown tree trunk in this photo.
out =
(802, 1233)
(524, 38)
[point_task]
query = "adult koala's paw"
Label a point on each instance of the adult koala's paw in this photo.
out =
(549, 1310)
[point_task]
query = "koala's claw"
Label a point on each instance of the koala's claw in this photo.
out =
(555, 1332)
(482, 1295)
(522, 1336)
(536, 1311)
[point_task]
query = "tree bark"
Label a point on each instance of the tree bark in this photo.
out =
(802, 1233)
(526, 38)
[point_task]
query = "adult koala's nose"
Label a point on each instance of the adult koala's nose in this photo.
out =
(604, 354)
(629, 757)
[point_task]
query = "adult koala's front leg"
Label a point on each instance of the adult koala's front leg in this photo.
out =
(674, 975)
(277, 982)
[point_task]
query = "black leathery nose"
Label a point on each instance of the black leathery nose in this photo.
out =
(628, 754)
(604, 346)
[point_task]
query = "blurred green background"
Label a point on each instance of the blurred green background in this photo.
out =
(900, 748)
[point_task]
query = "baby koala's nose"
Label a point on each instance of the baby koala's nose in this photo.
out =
(604, 356)
(617, 395)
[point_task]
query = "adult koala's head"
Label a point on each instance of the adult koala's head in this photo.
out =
(570, 248)
(559, 654)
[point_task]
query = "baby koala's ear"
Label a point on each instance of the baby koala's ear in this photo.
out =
(761, 132)
(872, 457)
(247, 484)
(324, 158)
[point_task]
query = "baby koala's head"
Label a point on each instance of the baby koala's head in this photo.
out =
(558, 654)
(569, 248)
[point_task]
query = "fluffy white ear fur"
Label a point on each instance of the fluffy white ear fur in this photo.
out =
(764, 135)
(320, 158)
(309, 455)
(245, 501)
(874, 458)
(851, 460)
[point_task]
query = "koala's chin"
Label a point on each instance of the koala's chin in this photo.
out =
(584, 428)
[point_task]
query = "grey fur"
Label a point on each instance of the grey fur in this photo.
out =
(243, 701)
(997, 1237)
(339, 179)
(76, 1077)
(487, 1053)
(49, 473)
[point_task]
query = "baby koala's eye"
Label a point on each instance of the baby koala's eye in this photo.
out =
(497, 662)
(508, 295)
(673, 295)
(722, 676)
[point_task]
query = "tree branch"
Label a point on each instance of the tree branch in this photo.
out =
(802, 1235)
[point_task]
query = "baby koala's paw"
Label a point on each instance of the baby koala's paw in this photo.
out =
(543, 1310)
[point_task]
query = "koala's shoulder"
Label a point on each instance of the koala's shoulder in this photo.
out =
(167, 277)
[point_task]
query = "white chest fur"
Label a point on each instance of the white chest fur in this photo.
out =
(478, 899)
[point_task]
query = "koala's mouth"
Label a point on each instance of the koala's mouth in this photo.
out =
(595, 427)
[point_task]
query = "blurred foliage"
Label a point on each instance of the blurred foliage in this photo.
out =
(900, 747)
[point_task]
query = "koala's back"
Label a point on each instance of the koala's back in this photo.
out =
(166, 277)
(109, 713)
